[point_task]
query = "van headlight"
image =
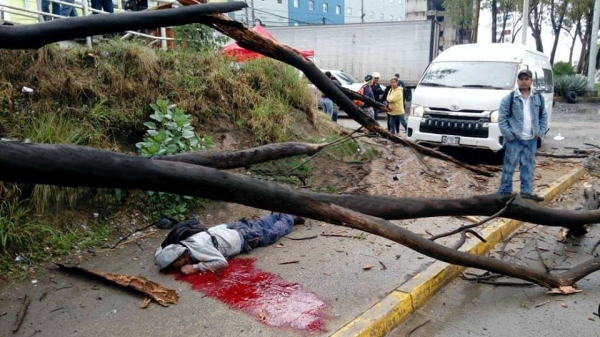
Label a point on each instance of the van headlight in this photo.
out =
(417, 110)
(494, 116)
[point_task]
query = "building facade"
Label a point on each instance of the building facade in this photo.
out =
(310, 12)
(505, 31)
(264, 12)
(364, 11)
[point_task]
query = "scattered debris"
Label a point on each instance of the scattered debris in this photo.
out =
(304, 238)
(543, 303)
(145, 303)
(138, 284)
(21, 314)
(383, 267)
(130, 234)
(418, 327)
(342, 235)
(290, 262)
(368, 266)
(564, 290)
(562, 235)
(559, 137)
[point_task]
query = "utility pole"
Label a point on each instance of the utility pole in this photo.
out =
(525, 21)
(362, 11)
(253, 17)
(593, 45)
(476, 6)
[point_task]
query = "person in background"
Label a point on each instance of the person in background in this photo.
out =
(395, 99)
(46, 9)
(326, 102)
(377, 92)
(103, 5)
(367, 92)
(68, 11)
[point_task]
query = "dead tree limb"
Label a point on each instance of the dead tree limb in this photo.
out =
(21, 314)
(246, 157)
(552, 155)
(137, 284)
(37, 35)
(81, 166)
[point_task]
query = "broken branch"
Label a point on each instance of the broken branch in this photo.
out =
(21, 314)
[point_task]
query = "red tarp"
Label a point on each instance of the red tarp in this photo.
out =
(241, 54)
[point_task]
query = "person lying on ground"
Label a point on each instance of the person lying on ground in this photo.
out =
(193, 247)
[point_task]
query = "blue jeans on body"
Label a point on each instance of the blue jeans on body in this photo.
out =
(395, 121)
(46, 9)
(264, 231)
(522, 151)
(68, 11)
(327, 107)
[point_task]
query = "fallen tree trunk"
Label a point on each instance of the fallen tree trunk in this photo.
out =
(81, 166)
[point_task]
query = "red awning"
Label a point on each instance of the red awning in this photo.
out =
(242, 54)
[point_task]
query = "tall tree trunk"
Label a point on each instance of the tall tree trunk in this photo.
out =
(577, 30)
(557, 27)
(585, 39)
(494, 20)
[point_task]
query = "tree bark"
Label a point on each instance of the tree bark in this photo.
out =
(80, 166)
(494, 7)
(556, 26)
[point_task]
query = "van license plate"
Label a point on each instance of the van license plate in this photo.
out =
(451, 140)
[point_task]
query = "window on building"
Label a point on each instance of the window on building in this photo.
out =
(280, 1)
(338, 10)
(391, 18)
(359, 13)
(381, 17)
(325, 7)
(311, 5)
(371, 15)
(296, 23)
(296, 3)
(349, 11)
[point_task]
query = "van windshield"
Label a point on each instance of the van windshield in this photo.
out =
(345, 77)
(484, 75)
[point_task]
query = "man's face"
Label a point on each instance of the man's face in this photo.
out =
(375, 80)
(182, 260)
(524, 82)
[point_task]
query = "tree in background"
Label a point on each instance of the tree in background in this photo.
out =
(558, 11)
(460, 14)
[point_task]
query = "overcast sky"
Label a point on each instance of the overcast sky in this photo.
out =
(484, 35)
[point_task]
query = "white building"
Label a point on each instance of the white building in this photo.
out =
(364, 11)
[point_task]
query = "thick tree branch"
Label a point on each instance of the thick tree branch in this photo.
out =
(34, 36)
(81, 166)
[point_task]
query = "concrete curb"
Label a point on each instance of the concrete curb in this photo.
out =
(388, 313)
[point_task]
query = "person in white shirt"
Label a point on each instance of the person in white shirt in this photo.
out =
(523, 120)
(192, 247)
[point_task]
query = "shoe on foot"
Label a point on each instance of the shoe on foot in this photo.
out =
(531, 196)
(298, 220)
(505, 196)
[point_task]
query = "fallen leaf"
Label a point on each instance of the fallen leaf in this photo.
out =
(145, 303)
(279, 245)
(564, 290)
(564, 305)
(562, 235)
(368, 266)
(262, 316)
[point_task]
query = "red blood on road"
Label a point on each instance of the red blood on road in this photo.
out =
(263, 295)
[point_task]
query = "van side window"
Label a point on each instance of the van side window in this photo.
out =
(539, 80)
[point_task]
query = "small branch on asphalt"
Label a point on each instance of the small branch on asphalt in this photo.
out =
(465, 227)
(551, 155)
(539, 252)
(595, 247)
(289, 262)
(341, 235)
(592, 145)
(383, 266)
(21, 314)
(543, 303)
(304, 238)
(418, 327)
(130, 234)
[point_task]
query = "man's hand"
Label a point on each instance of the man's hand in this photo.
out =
(188, 269)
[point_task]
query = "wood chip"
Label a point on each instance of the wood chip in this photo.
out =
(368, 266)
(145, 303)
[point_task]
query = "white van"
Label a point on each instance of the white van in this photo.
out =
(457, 99)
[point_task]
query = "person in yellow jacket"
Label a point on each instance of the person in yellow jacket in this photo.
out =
(395, 100)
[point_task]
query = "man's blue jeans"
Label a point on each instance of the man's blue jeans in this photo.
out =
(395, 122)
(266, 230)
(68, 11)
(46, 9)
(523, 152)
(104, 5)
(327, 107)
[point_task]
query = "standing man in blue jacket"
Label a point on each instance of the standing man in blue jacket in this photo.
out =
(523, 120)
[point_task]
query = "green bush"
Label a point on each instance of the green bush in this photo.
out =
(576, 83)
(563, 69)
(170, 132)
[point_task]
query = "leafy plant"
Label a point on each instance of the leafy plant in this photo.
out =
(170, 132)
(199, 37)
(576, 83)
(563, 69)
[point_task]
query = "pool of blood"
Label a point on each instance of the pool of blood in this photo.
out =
(262, 295)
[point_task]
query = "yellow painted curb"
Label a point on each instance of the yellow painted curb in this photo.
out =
(388, 313)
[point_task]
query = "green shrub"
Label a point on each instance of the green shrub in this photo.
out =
(576, 83)
(170, 132)
(563, 69)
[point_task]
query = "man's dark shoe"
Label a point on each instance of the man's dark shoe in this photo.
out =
(532, 196)
(505, 196)
(298, 220)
